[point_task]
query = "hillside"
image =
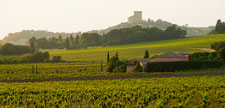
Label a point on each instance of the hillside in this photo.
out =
(23, 36)
(97, 54)
(191, 31)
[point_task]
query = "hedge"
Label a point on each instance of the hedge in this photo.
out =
(182, 65)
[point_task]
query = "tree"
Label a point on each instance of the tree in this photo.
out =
(220, 27)
(71, 38)
(10, 49)
(91, 39)
(32, 44)
(37, 57)
(77, 42)
(117, 55)
(138, 67)
(221, 53)
(42, 43)
(113, 62)
(216, 46)
(60, 38)
(146, 54)
(67, 43)
(108, 57)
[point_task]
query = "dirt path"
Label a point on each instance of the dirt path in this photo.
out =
(127, 77)
(206, 49)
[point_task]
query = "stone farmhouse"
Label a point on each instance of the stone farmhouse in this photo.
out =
(166, 57)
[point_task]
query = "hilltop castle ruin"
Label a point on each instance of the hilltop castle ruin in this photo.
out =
(136, 18)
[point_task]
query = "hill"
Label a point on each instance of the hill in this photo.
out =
(21, 38)
(191, 31)
(98, 54)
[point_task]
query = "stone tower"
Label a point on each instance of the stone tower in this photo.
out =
(136, 18)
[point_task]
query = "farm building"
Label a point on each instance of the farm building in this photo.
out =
(132, 62)
(166, 57)
(170, 56)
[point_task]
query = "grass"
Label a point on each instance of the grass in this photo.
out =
(97, 54)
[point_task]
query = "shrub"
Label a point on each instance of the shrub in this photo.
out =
(138, 67)
(115, 65)
(216, 46)
(221, 53)
(38, 57)
(182, 65)
(203, 56)
(56, 59)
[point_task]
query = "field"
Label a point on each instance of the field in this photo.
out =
(98, 54)
(46, 85)
(63, 71)
(86, 62)
(202, 92)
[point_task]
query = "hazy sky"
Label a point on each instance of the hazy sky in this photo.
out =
(85, 15)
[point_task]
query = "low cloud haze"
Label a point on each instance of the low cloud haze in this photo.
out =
(85, 15)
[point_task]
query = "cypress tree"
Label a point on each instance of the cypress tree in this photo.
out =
(117, 55)
(32, 69)
(146, 54)
(108, 57)
(77, 42)
(32, 44)
(67, 43)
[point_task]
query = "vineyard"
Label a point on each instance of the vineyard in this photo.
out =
(63, 71)
(48, 71)
(56, 71)
(188, 92)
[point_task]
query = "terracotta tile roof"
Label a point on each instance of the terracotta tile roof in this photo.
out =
(140, 59)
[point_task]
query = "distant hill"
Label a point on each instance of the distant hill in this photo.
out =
(191, 31)
(21, 38)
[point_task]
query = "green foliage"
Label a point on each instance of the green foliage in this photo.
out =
(182, 65)
(217, 45)
(10, 49)
(33, 44)
(188, 92)
(91, 39)
(220, 27)
(139, 34)
(114, 37)
(203, 56)
(138, 67)
(38, 57)
(221, 53)
(115, 65)
(146, 54)
(107, 61)
(67, 44)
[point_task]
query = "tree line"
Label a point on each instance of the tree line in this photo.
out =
(114, 37)
(219, 29)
